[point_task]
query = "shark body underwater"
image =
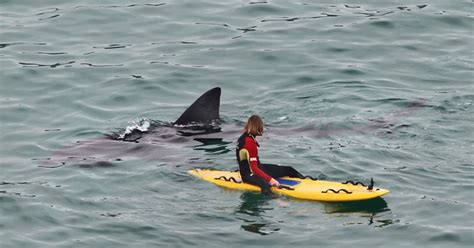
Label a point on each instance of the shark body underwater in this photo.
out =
(198, 126)
(155, 141)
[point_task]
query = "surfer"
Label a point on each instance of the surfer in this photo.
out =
(250, 168)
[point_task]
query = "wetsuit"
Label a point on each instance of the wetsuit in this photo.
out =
(254, 172)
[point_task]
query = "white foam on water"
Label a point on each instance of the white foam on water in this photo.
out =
(142, 125)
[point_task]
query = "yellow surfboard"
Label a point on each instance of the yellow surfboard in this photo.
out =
(307, 189)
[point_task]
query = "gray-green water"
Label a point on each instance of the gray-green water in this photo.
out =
(347, 90)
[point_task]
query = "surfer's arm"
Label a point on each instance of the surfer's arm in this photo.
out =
(251, 147)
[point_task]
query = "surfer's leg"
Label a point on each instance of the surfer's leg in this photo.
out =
(277, 171)
(257, 181)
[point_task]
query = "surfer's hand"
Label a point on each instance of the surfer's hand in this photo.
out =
(274, 183)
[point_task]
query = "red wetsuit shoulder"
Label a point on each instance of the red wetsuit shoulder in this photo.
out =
(252, 147)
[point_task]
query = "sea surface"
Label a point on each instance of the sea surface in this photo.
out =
(348, 90)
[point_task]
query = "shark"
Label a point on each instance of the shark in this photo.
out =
(202, 115)
(151, 140)
(199, 127)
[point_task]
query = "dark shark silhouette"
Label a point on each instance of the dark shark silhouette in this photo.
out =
(204, 110)
(199, 127)
(202, 115)
(198, 121)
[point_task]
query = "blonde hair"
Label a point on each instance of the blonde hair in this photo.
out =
(254, 125)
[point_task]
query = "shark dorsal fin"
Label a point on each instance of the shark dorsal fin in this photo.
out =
(204, 110)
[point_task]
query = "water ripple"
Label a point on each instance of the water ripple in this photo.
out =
(28, 64)
(52, 53)
(113, 46)
(123, 6)
(48, 11)
(49, 17)
(292, 19)
(103, 65)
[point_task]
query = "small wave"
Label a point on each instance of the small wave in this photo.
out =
(213, 123)
(3, 45)
(65, 64)
(95, 65)
(292, 19)
(49, 17)
(52, 53)
(142, 125)
(198, 128)
(375, 13)
(258, 2)
(125, 6)
(113, 46)
(48, 11)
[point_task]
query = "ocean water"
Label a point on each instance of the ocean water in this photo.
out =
(348, 91)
